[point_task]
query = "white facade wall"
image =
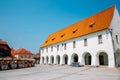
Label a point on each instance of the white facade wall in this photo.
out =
(93, 48)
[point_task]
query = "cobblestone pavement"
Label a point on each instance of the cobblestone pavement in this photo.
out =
(58, 72)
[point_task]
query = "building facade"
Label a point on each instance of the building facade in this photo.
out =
(94, 41)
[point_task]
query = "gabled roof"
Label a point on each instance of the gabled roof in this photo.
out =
(97, 22)
(22, 51)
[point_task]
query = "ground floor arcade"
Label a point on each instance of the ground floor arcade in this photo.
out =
(99, 59)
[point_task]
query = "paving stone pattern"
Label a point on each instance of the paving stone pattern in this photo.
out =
(58, 72)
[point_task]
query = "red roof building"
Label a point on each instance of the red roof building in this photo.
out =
(22, 53)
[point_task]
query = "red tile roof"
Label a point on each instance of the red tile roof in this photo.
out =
(97, 22)
(3, 42)
(12, 51)
(22, 51)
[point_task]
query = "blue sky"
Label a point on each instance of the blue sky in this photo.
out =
(27, 23)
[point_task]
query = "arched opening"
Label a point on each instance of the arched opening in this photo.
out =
(52, 60)
(47, 59)
(74, 58)
(57, 59)
(87, 59)
(42, 59)
(103, 58)
(65, 59)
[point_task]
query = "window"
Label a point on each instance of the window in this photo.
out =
(53, 39)
(117, 39)
(92, 25)
(74, 44)
(22, 56)
(65, 46)
(75, 31)
(57, 47)
(85, 42)
(46, 41)
(100, 39)
(42, 50)
(52, 49)
(46, 50)
(62, 35)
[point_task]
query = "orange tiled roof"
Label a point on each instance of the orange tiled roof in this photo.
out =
(22, 51)
(97, 22)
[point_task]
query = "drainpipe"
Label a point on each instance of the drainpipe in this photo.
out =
(111, 33)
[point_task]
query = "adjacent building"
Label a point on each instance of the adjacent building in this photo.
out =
(22, 53)
(5, 50)
(93, 41)
(37, 58)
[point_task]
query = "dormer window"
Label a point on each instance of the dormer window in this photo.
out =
(53, 39)
(46, 41)
(62, 35)
(75, 31)
(92, 25)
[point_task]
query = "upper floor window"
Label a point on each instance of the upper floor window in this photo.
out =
(74, 44)
(42, 50)
(85, 42)
(57, 47)
(117, 40)
(51, 48)
(46, 50)
(65, 46)
(100, 39)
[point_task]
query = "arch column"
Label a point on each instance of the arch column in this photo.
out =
(80, 60)
(61, 60)
(111, 61)
(49, 60)
(55, 60)
(94, 60)
(69, 59)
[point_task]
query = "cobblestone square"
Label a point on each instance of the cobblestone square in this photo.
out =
(58, 72)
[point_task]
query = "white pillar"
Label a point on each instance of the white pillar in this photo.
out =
(69, 59)
(94, 58)
(61, 59)
(81, 60)
(111, 61)
(54, 60)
